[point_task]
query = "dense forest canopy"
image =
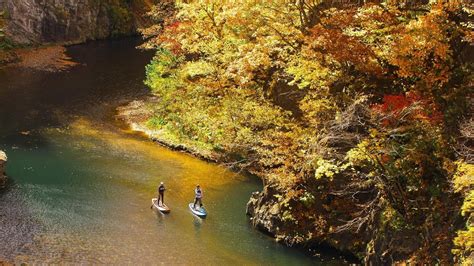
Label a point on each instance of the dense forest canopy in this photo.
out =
(357, 114)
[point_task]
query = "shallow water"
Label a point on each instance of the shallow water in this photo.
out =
(81, 185)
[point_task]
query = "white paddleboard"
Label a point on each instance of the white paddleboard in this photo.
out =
(162, 208)
(199, 211)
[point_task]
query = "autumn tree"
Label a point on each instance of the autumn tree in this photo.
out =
(348, 110)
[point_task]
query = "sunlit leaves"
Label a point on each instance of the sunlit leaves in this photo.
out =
(162, 75)
(275, 86)
(464, 183)
(421, 52)
(197, 69)
(464, 177)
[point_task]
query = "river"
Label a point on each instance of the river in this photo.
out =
(81, 183)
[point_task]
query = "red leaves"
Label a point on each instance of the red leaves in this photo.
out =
(174, 25)
(171, 44)
(394, 105)
(168, 37)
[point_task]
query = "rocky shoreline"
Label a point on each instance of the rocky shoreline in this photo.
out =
(3, 164)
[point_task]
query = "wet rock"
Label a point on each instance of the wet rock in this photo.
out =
(3, 162)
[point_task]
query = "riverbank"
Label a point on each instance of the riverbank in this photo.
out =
(137, 115)
(50, 58)
(46, 58)
(8, 57)
(41, 29)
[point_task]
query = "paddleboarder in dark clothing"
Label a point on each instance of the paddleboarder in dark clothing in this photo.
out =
(161, 194)
(198, 196)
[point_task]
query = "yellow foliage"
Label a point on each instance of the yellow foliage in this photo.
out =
(465, 244)
(272, 85)
(360, 154)
(464, 177)
(325, 168)
(198, 68)
(464, 182)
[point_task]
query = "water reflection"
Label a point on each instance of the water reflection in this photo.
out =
(197, 223)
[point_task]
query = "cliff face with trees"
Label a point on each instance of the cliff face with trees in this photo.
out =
(358, 117)
(66, 21)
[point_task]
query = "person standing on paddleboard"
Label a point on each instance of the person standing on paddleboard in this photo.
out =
(161, 194)
(198, 196)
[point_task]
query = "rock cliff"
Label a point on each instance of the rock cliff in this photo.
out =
(72, 21)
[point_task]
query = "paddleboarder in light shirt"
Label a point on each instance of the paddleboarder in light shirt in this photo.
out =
(161, 194)
(198, 197)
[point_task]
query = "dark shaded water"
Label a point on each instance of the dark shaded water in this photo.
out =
(81, 185)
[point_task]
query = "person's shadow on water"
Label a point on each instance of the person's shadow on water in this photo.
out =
(197, 224)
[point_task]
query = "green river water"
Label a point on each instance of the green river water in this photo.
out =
(81, 183)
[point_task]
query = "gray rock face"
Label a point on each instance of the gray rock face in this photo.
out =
(52, 21)
(263, 211)
(3, 162)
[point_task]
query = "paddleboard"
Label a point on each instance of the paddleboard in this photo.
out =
(199, 211)
(163, 208)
